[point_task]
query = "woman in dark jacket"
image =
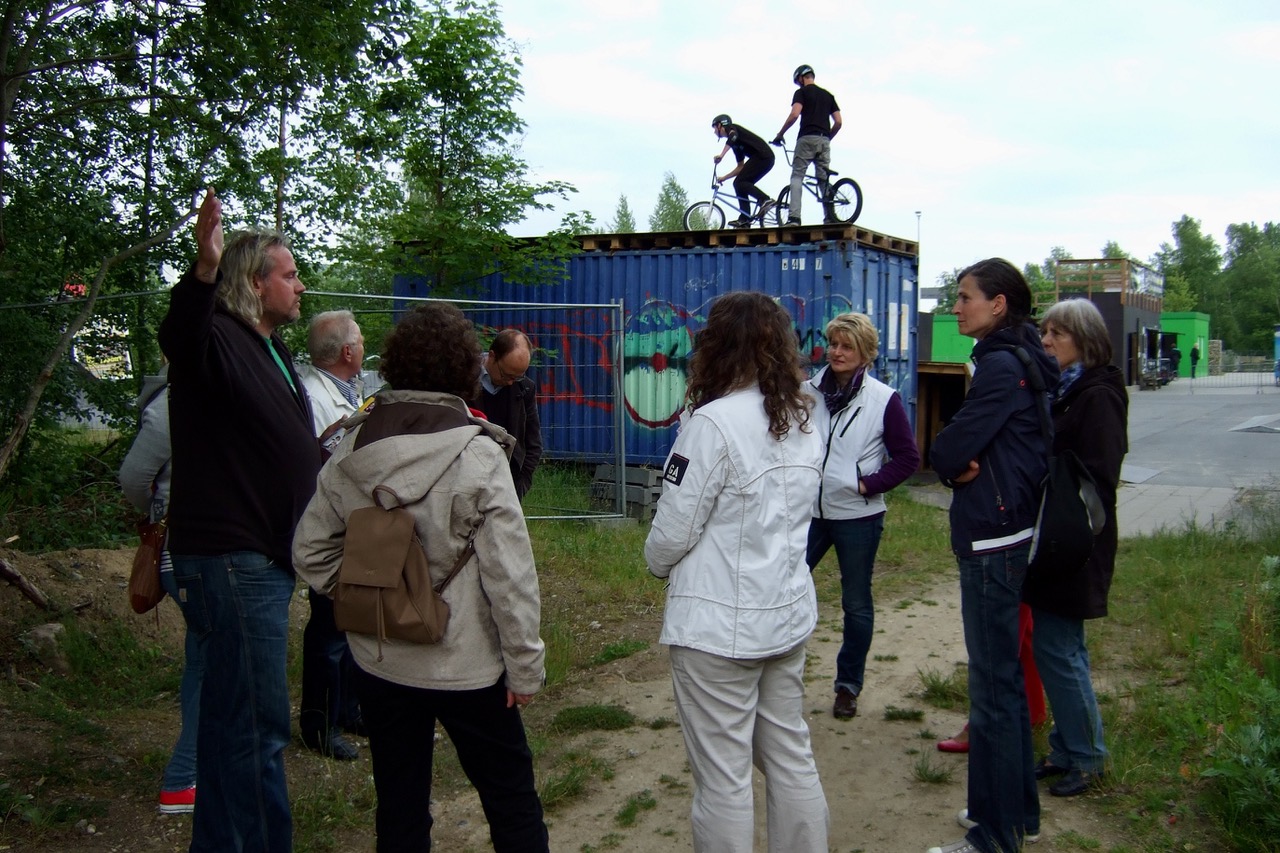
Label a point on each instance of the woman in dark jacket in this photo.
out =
(992, 454)
(1090, 418)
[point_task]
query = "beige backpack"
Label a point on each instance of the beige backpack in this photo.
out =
(384, 586)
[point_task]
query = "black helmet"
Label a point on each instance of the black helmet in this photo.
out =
(800, 72)
(721, 119)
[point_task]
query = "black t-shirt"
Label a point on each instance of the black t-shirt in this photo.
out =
(746, 144)
(817, 105)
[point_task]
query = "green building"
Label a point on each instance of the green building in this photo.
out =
(1192, 329)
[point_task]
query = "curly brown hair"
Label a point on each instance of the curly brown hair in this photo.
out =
(433, 348)
(749, 340)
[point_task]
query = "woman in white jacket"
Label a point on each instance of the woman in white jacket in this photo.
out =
(730, 534)
(869, 449)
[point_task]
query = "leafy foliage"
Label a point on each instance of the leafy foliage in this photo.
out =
(624, 221)
(668, 214)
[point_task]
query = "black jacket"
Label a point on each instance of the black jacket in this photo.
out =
(1092, 420)
(999, 426)
(244, 456)
(515, 409)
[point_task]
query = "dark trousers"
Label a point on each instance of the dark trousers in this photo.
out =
(492, 749)
(328, 702)
(744, 184)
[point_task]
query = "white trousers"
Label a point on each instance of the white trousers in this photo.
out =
(735, 713)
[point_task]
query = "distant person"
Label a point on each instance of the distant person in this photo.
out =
(754, 162)
(729, 535)
(1091, 419)
(820, 121)
(328, 706)
(508, 398)
(244, 462)
(870, 449)
(449, 470)
(145, 478)
(1195, 359)
(992, 455)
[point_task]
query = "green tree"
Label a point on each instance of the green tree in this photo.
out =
(1194, 257)
(948, 287)
(668, 213)
(1177, 294)
(1112, 250)
(114, 114)
(1245, 297)
(624, 221)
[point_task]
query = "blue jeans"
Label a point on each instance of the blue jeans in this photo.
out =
(328, 699)
(238, 606)
(856, 541)
(1002, 784)
(1063, 661)
(180, 772)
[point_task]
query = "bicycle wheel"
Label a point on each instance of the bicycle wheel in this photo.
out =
(783, 208)
(704, 216)
(846, 200)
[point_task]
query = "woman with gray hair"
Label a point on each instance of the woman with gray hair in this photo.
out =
(1090, 418)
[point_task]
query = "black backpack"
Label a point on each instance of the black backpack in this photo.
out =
(1071, 513)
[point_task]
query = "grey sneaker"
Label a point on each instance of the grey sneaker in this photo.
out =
(962, 818)
(767, 206)
(956, 847)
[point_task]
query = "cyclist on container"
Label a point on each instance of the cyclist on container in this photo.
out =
(819, 116)
(754, 162)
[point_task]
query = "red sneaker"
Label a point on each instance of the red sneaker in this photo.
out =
(178, 802)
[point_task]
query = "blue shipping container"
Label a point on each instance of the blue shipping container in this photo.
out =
(666, 294)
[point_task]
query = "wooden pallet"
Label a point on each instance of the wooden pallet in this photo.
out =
(788, 235)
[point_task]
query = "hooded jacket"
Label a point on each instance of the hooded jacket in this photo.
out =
(1092, 420)
(730, 532)
(449, 469)
(999, 426)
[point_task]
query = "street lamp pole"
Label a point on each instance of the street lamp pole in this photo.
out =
(918, 212)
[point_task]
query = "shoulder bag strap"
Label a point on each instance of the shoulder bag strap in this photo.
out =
(1036, 380)
(462, 559)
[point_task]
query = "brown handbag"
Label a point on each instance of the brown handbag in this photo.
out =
(145, 591)
(384, 584)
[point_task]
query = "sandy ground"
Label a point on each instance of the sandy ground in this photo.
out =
(866, 764)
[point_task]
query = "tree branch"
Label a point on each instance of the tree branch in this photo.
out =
(28, 589)
(22, 422)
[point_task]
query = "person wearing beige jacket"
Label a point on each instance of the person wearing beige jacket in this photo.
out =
(449, 469)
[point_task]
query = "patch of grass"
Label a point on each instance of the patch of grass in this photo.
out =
(1072, 840)
(618, 651)
(884, 658)
(949, 691)
(662, 723)
(924, 770)
(671, 783)
(585, 718)
(569, 778)
(610, 841)
(636, 803)
(893, 714)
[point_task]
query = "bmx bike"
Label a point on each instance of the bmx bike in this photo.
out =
(843, 195)
(710, 216)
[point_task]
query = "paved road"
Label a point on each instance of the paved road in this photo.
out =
(1194, 446)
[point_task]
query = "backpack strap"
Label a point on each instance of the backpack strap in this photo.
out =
(1036, 380)
(462, 559)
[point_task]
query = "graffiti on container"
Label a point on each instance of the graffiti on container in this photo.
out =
(659, 342)
(700, 284)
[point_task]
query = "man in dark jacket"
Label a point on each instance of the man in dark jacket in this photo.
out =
(507, 398)
(244, 467)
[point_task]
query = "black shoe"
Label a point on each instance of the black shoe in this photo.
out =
(793, 220)
(765, 207)
(846, 704)
(333, 745)
(1076, 782)
(1045, 770)
(356, 727)
(740, 222)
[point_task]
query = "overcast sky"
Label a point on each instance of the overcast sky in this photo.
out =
(1013, 127)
